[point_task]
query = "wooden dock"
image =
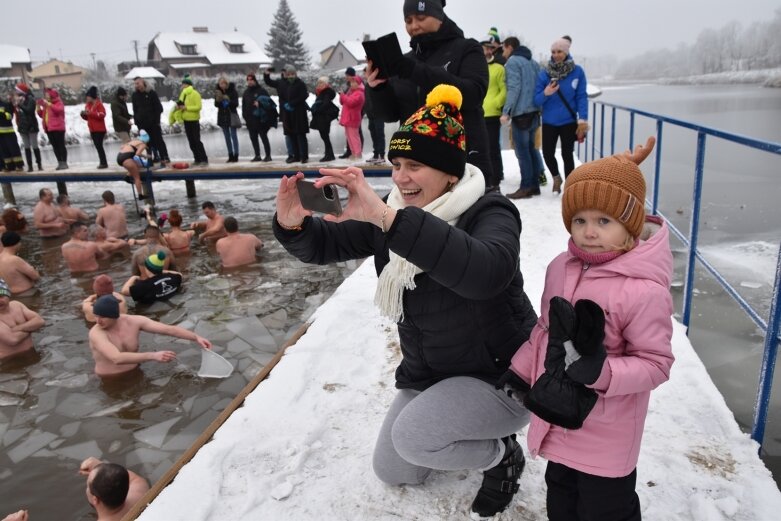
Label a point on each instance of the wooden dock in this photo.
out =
(244, 170)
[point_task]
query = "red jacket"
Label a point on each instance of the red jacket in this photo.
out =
(52, 114)
(634, 291)
(95, 114)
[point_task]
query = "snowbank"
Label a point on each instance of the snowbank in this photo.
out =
(300, 447)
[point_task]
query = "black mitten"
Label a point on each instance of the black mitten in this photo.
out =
(513, 385)
(584, 363)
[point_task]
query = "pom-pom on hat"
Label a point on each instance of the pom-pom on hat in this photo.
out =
(613, 185)
(434, 134)
(187, 79)
(106, 306)
(5, 291)
(155, 262)
(427, 7)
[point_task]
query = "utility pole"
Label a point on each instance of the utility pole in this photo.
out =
(135, 46)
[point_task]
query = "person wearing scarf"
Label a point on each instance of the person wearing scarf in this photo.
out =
(561, 92)
(446, 255)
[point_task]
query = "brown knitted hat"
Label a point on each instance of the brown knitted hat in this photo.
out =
(613, 185)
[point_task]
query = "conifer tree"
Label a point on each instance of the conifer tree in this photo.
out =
(284, 44)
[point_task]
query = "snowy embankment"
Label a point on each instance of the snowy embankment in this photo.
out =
(300, 448)
(77, 132)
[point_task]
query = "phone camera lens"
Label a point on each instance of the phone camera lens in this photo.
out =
(328, 192)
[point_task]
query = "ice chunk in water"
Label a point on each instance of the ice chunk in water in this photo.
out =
(159, 306)
(162, 381)
(69, 380)
(113, 409)
(76, 363)
(276, 320)
(149, 398)
(35, 442)
(202, 404)
(9, 399)
(17, 387)
(12, 435)
(81, 451)
(218, 285)
(38, 372)
(78, 405)
(750, 284)
(47, 400)
(69, 429)
(5, 473)
(174, 316)
(45, 341)
(253, 331)
(155, 435)
(115, 446)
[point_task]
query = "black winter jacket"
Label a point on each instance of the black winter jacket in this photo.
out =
(224, 113)
(119, 115)
(248, 99)
(26, 121)
(441, 57)
(468, 314)
(295, 94)
(324, 111)
(146, 108)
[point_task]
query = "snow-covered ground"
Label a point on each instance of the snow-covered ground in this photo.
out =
(300, 447)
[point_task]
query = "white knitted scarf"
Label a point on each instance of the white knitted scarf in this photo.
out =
(399, 274)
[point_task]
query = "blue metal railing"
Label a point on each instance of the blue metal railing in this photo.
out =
(772, 325)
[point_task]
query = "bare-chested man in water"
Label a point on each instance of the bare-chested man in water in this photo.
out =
(70, 214)
(114, 340)
(16, 324)
(81, 254)
(237, 249)
(102, 285)
(46, 217)
(19, 275)
(112, 217)
(109, 245)
(214, 227)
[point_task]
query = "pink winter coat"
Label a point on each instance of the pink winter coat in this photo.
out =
(634, 292)
(52, 114)
(95, 114)
(352, 105)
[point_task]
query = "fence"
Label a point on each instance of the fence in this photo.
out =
(594, 147)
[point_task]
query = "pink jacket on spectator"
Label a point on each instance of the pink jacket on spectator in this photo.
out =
(95, 114)
(352, 105)
(52, 114)
(634, 292)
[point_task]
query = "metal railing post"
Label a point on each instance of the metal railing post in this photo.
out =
(762, 403)
(602, 132)
(694, 230)
(657, 167)
(613, 132)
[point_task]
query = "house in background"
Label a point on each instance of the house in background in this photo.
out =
(201, 53)
(58, 71)
(345, 54)
(15, 63)
(325, 54)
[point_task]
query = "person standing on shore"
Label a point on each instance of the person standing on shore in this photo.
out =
(292, 109)
(146, 115)
(52, 113)
(493, 102)
(323, 113)
(226, 99)
(94, 114)
(9, 145)
(352, 114)
(27, 125)
(189, 102)
(120, 117)
(256, 118)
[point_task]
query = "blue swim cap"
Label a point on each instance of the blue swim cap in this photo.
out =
(143, 136)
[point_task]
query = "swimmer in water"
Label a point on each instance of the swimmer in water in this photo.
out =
(16, 272)
(17, 323)
(103, 285)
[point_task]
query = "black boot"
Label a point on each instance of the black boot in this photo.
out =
(38, 158)
(28, 154)
(346, 154)
(501, 482)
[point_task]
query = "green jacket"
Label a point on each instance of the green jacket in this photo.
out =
(192, 104)
(496, 94)
(175, 116)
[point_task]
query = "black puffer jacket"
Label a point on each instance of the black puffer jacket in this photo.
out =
(323, 112)
(26, 122)
(224, 113)
(441, 57)
(468, 314)
(295, 121)
(146, 108)
(248, 106)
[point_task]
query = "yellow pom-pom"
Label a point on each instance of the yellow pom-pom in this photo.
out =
(444, 94)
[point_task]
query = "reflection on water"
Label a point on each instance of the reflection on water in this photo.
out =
(54, 411)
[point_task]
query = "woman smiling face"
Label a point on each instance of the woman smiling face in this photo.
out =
(419, 184)
(558, 55)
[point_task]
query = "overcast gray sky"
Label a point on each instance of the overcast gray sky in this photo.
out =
(75, 28)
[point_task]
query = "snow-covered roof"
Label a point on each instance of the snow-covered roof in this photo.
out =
(215, 47)
(143, 72)
(355, 47)
(193, 65)
(10, 54)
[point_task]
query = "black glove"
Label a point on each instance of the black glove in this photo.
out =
(555, 396)
(513, 385)
(582, 334)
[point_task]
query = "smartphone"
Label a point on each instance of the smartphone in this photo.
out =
(324, 199)
(553, 83)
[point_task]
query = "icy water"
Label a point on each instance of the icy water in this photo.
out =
(739, 227)
(53, 410)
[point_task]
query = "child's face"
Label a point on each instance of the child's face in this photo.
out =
(597, 232)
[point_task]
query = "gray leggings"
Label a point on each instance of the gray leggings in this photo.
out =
(455, 424)
(30, 140)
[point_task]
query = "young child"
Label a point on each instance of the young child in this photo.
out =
(601, 344)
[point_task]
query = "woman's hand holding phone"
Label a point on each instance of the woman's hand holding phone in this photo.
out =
(371, 75)
(290, 213)
(363, 202)
(551, 88)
